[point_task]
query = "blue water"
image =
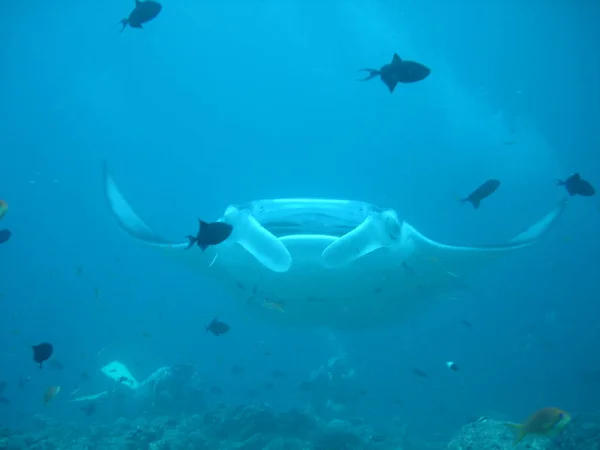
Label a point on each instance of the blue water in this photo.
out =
(226, 102)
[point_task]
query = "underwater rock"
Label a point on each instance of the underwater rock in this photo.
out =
(295, 424)
(254, 442)
(163, 402)
(256, 422)
(582, 433)
(261, 427)
(493, 435)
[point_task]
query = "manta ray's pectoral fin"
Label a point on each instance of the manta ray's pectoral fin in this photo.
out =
(247, 232)
(441, 262)
(128, 220)
(380, 229)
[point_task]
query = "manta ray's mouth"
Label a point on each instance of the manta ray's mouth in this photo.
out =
(290, 217)
(355, 228)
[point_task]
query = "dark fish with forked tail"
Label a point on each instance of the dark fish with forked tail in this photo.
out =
(217, 327)
(5, 236)
(89, 409)
(210, 234)
(575, 185)
(483, 191)
(419, 373)
(143, 12)
(398, 71)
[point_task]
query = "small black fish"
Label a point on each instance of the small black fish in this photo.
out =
(268, 386)
(42, 352)
(89, 409)
(483, 191)
(123, 379)
(576, 185)
(4, 400)
(143, 12)
(5, 236)
(398, 71)
(217, 328)
(210, 234)
(467, 324)
(419, 373)
(85, 376)
(452, 366)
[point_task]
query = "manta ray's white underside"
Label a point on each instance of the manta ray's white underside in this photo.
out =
(340, 264)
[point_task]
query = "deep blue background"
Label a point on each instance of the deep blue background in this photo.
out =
(224, 102)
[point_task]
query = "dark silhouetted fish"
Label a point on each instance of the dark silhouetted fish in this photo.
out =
(142, 13)
(398, 71)
(42, 352)
(467, 324)
(483, 191)
(4, 400)
(217, 328)
(576, 185)
(89, 409)
(452, 366)
(5, 236)
(419, 373)
(210, 234)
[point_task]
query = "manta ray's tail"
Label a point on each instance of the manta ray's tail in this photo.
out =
(372, 74)
(192, 240)
(124, 23)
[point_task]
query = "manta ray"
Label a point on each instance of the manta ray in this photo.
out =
(340, 264)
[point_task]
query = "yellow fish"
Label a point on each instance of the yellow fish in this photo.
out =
(274, 305)
(50, 393)
(545, 422)
(3, 208)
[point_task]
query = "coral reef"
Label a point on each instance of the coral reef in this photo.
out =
(486, 434)
(259, 427)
